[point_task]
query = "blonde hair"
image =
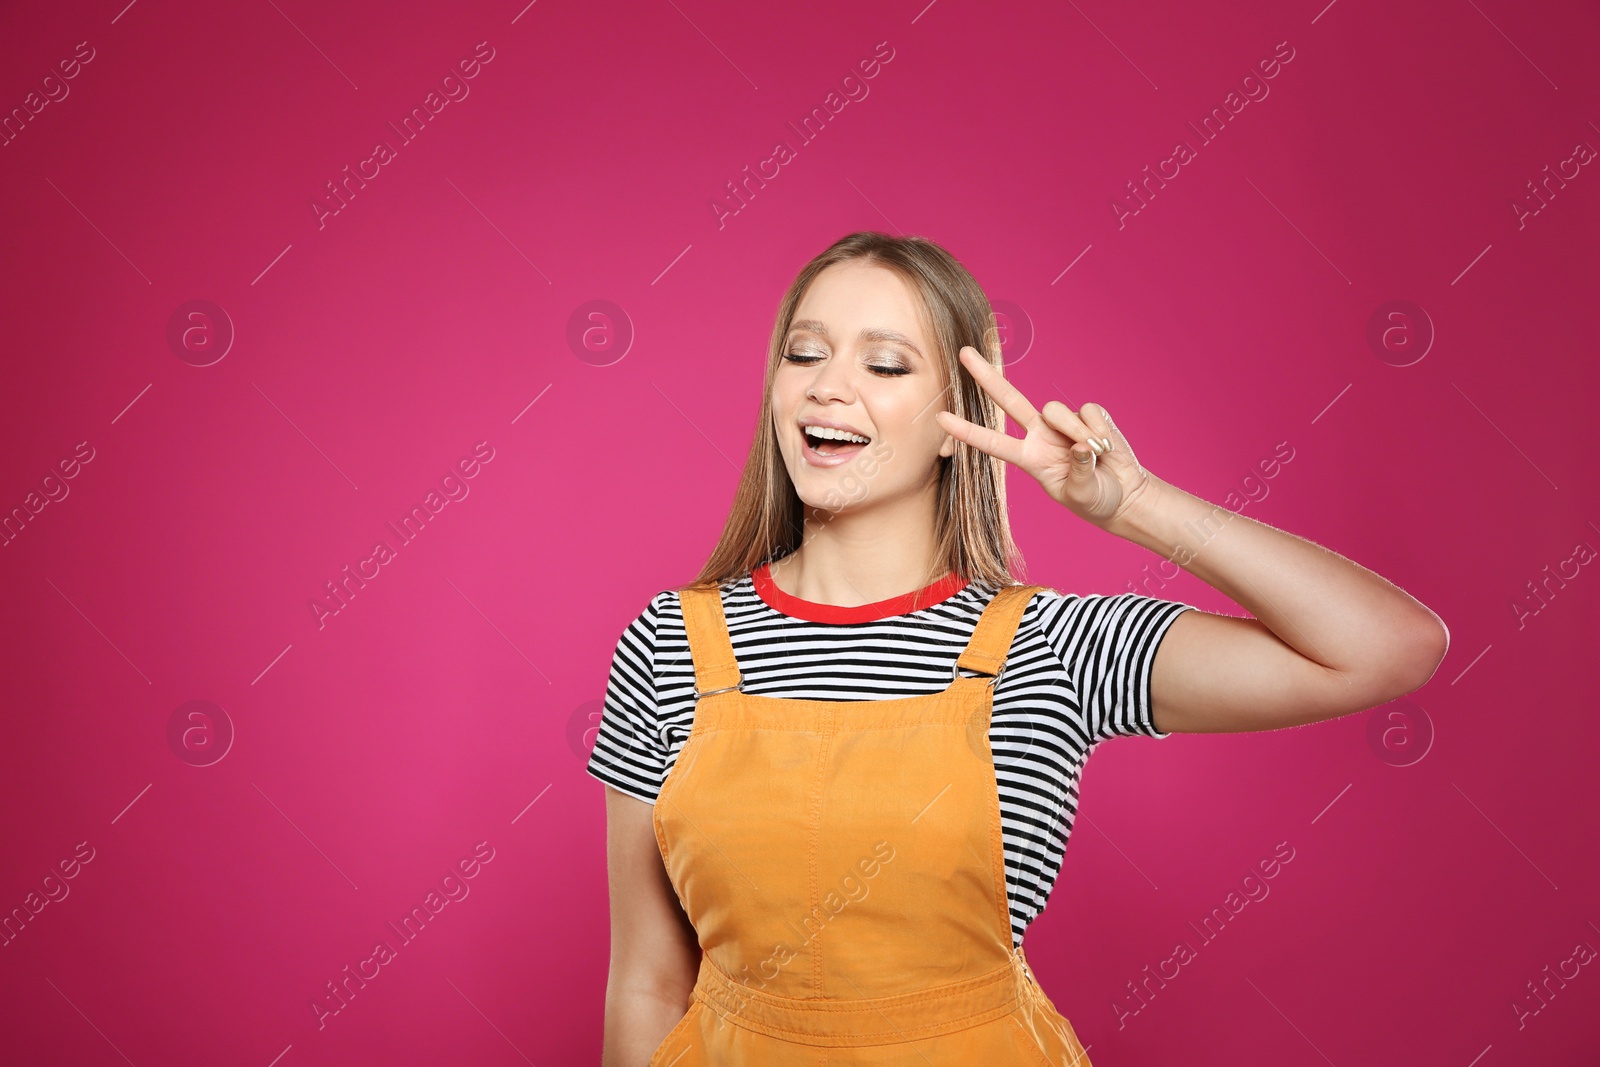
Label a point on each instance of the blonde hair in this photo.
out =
(973, 533)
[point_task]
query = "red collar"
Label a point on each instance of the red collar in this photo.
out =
(794, 606)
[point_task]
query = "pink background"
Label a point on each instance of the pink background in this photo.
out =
(450, 700)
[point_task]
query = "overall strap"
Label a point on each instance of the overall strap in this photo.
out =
(986, 652)
(715, 667)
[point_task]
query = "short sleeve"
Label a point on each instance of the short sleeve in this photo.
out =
(629, 752)
(1108, 644)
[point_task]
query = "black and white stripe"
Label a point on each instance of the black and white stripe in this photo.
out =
(1078, 673)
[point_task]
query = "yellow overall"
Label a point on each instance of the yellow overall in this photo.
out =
(842, 864)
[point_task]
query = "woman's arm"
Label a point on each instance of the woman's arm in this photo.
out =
(655, 957)
(1329, 637)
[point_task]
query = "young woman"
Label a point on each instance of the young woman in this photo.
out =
(842, 764)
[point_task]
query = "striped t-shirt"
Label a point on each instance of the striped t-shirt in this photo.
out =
(1077, 673)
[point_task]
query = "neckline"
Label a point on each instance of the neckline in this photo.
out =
(812, 611)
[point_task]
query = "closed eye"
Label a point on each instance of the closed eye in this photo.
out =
(887, 370)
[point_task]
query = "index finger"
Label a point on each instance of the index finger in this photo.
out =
(1008, 396)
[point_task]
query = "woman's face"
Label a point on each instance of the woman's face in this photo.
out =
(857, 364)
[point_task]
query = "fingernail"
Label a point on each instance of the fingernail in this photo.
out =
(1082, 457)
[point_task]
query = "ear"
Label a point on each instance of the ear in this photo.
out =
(948, 447)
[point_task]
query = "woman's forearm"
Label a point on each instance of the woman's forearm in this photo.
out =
(1328, 608)
(637, 1020)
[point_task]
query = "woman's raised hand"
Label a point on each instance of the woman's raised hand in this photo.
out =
(1080, 458)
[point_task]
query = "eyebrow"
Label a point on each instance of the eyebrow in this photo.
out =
(870, 333)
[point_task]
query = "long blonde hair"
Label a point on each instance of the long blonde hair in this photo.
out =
(973, 533)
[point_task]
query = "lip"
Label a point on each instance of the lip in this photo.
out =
(818, 459)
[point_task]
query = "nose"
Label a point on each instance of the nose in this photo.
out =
(831, 380)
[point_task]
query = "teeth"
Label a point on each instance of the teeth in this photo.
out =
(829, 433)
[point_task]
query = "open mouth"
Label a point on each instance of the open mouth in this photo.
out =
(826, 441)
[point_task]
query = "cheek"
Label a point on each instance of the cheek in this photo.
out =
(913, 426)
(782, 401)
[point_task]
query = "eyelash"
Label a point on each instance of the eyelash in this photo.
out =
(888, 371)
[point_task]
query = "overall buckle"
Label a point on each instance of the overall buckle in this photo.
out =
(714, 692)
(955, 672)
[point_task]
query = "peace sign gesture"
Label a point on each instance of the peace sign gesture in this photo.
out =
(1081, 459)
